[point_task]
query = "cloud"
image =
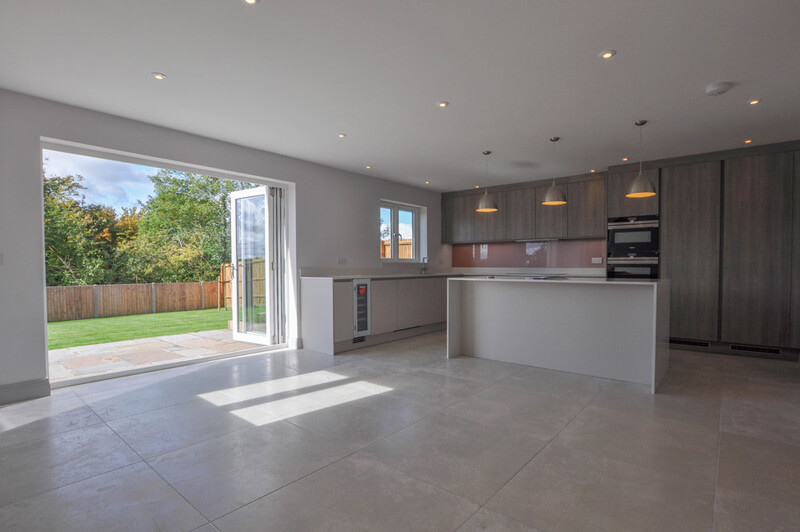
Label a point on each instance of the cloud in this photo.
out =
(112, 183)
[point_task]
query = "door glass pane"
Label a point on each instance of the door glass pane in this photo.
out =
(386, 232)
(633, 237)
(405, 227)
(251, 254)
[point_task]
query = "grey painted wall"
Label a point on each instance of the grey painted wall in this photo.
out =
(336, 211)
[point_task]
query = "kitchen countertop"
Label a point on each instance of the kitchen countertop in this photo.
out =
(564, 280)
(382, 276)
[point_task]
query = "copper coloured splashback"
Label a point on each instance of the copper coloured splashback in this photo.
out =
(552, 254)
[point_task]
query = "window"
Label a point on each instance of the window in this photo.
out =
(399, 232)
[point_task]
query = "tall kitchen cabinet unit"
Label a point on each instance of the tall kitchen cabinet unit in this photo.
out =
(619, 205)
(757, 250)
(691, 197)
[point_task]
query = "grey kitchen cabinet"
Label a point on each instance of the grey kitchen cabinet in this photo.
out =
(619, 205)
(551, 220)
(384, 306)
(521, 213)
(434, 296)
(691, 197)
(458, 218)
(343, 325)
(410, 303)
(586, 208)
(757, 249)
(795, 317)
(490, 226)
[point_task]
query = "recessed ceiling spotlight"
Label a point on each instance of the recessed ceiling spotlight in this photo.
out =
(342, 135)
(592, 171)
(754, 102)
(477, 186)
(443, 104)
(748, 141)
(608, 54)
(250, 2)
(427, 182)
(158, 75)
(368, 167)
(624, 159)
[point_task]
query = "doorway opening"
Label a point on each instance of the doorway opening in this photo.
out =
(150, 267)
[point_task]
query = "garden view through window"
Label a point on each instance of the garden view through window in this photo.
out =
(138, 265)
(399, 230)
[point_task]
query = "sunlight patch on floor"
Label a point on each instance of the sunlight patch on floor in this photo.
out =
(281, 409)
(265, 389)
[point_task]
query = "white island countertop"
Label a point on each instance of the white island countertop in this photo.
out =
(610, 328)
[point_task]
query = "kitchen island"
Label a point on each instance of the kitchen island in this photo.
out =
(615, 329)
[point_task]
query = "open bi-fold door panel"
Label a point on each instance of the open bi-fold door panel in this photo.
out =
(258, 265)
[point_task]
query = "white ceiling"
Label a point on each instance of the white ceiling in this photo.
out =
(288, 76)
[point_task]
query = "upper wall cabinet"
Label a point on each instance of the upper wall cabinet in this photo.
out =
(619, 205)
(490, 226)
(521, 214)
(461, 224)
(690, 241)
(551, 220)
(586, 208)
(757, 249)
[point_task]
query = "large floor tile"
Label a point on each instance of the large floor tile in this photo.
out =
(637, 400)
(353, 495)
(556, 383)
(762, 411)
(132, 499)
(737, 512)
(697, 362)
(689, 451)
(217, 476)
(488, 521)
(475, 369)
(759, 468)
(358, 423)
(464, 457)
(762, 370)
(36, 466)
(563, 489)
(540, 415)
(167, 429)
(428, 388)
(60, 412)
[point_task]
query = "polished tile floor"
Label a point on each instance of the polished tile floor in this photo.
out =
(396, 437)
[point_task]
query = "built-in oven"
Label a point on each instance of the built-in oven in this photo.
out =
(632, 268)
(635, 236)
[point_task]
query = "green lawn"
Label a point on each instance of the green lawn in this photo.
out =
(101, 330)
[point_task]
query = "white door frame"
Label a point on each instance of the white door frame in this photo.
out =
(265, 339)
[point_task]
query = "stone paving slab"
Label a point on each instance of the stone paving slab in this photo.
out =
(128, 354)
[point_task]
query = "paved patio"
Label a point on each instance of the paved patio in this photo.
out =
(97, 359)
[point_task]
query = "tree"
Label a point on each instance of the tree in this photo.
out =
(183, 233)
(79, 238)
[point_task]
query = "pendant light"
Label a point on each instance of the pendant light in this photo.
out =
(554, 195)
(641, 187)
(486, 203)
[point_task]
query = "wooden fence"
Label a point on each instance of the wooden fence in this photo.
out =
(258, 273)
(103, 301)
(404, 248)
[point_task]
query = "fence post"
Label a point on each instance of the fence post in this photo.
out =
(94, 302)
(153, 285)
(202, 295)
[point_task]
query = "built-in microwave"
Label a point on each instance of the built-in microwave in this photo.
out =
(632, 268)
(635, 236)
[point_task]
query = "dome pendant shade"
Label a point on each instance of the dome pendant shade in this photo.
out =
(554, 196)
(641, 187)
(486, 203)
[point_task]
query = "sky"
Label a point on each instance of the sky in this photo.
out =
(112, 183)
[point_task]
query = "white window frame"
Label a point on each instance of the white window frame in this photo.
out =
(415, 248)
